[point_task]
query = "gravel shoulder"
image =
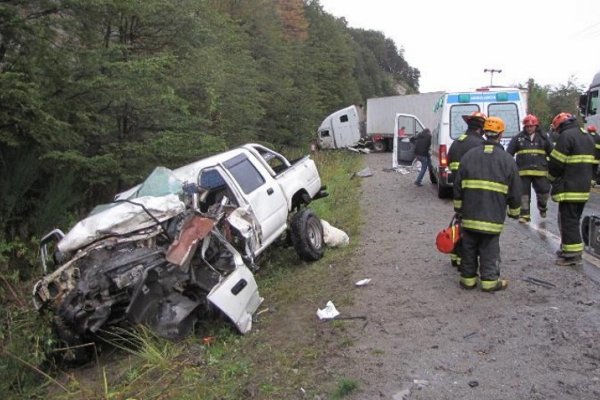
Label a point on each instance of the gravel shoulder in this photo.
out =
(426, 338)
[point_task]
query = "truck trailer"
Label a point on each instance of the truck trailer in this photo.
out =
(382, 111)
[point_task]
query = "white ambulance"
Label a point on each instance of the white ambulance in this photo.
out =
(510, 104)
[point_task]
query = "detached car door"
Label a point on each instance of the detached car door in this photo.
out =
(264, 195)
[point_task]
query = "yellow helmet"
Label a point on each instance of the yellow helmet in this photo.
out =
(493, 126)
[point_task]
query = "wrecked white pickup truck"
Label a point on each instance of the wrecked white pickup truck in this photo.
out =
(179, 246)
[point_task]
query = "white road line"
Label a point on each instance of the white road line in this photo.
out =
(586, 256)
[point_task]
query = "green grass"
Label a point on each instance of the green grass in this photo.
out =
(344, 388)
(282, 357)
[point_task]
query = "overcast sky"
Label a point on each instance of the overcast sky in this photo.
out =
(452, 42)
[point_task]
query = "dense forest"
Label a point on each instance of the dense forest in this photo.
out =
(95, 93)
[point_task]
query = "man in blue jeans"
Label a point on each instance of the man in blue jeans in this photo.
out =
(422, 143)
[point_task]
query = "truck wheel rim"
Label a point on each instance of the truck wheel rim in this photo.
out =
(314, 234)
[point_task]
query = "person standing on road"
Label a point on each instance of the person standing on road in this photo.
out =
(422, 143)
(571, 167)
(465, 142)
(487, 181)
(532, 148)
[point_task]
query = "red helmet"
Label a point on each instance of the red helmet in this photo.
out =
(530, 120)
(560, 118)
(447, 238)
(592, 128)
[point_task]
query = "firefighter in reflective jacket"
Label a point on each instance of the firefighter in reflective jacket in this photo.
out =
(571, 167)
(532, 148)
(487, 181)
(465, 142)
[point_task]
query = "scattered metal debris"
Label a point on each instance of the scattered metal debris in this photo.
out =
(539, 282)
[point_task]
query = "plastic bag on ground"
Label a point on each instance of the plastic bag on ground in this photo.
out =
(333, 236)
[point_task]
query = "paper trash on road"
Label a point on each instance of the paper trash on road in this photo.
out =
(363, 282)
(329, 312)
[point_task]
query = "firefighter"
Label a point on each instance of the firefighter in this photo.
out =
(532, 148)
(571, 167)
(487, 181)
(471, 138)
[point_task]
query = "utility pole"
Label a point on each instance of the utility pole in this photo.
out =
(492, 71)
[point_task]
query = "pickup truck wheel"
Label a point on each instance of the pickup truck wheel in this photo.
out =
(307, 235)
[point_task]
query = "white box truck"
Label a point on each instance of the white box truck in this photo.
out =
(588, 103)
(381, 116)
(510, 104)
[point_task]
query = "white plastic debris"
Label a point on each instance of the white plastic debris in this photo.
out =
(334, 237)
(329, 312)
(364, 172)
(420, 383)
(363, 282)
(402, 170)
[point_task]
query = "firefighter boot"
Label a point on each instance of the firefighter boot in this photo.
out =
(468, 283)
(494, 286)
(569, 261)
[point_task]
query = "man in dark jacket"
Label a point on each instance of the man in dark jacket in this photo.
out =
(531, 148)
(422, 143)
(571, 167)
(465, 142)
(487, 181)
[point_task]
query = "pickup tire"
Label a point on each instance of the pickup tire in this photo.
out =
(307, 235)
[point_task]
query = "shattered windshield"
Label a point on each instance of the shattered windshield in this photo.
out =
(161, 182)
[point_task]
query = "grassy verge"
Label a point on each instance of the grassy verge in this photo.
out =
(281, 358)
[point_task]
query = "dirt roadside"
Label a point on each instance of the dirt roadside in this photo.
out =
(426, 338)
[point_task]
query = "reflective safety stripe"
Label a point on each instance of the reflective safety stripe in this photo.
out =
(571, 196)
(531, 151)
(482, 226)
(488, 148)
(513, 212)
(572, 248)
(484, 185)
(597, 146)
(454, 257)
(469, 281)
(558, 155)
(581, 159)
(454, 166)
(457, 204)
(462, 137)
(533, 172)
(488, 285)
(574, 159)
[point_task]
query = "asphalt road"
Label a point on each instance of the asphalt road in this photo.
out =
(546, 230)
(426, 338)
